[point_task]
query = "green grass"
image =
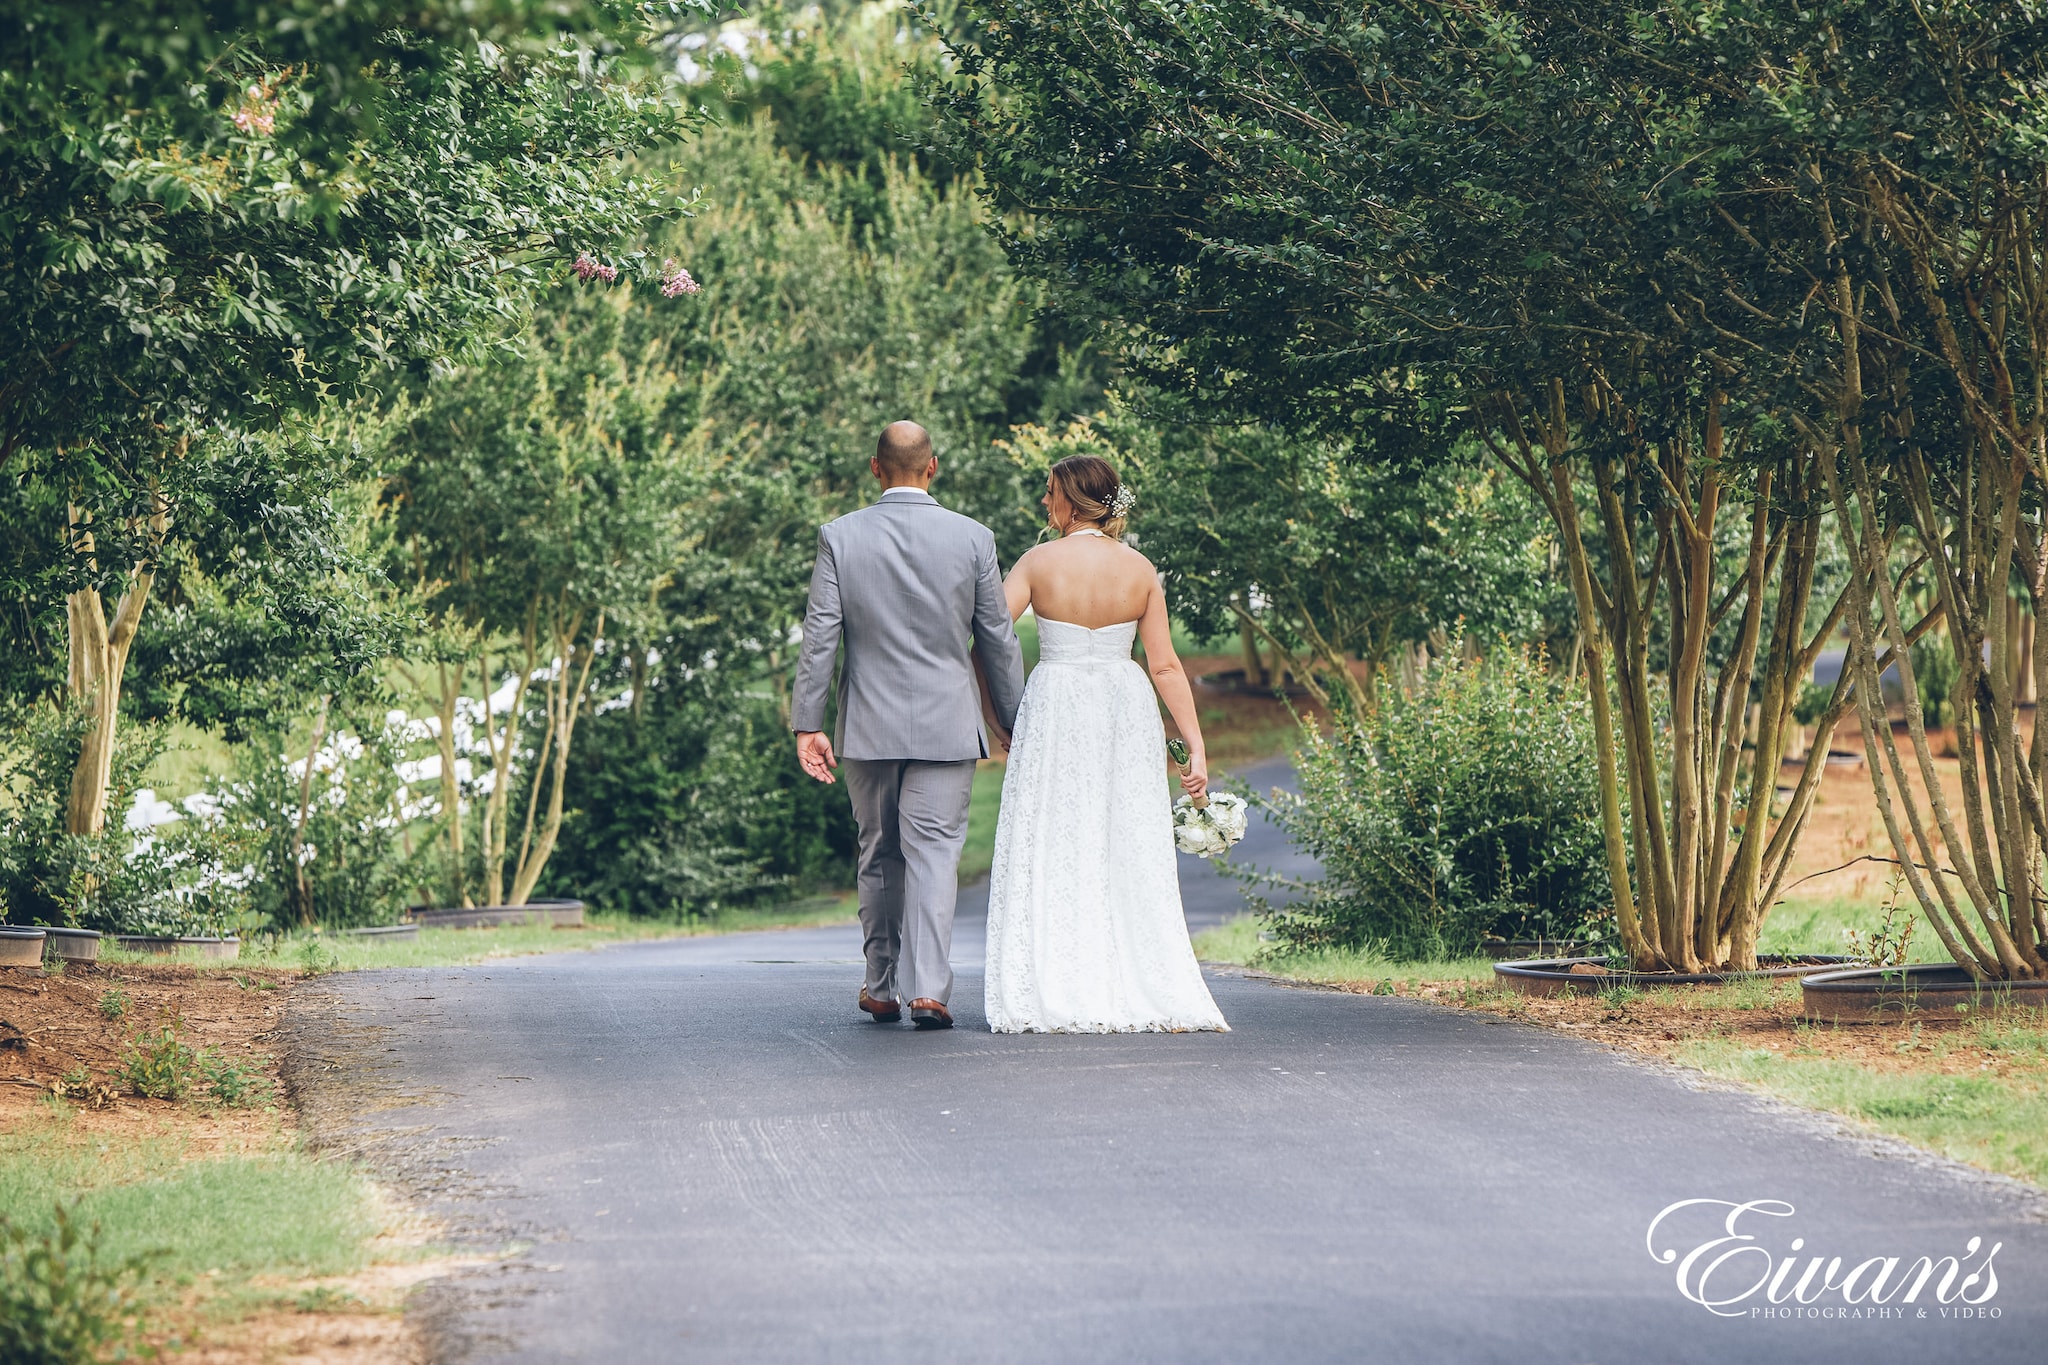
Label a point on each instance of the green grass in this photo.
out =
(1237, 941)
(1822, 926)
(462, 947)
(217, 1219)
(1998, 1121)
(982, 810)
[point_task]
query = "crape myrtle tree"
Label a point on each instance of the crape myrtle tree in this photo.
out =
(1906, 150)
(835, 296)
(221, 216)
(1319, 214)
(536, 506)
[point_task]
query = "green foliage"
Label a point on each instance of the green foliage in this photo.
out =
(692, 806)
(812, 330)
(114, 1003)
(1466, 809)
(62, 1301)
(236, 1085)
(1934, 673)
(159, 1064)
(178, 879)
(353, 847)
(840, 92)
(1335, 553)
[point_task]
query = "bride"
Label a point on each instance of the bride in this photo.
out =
(1085, 927)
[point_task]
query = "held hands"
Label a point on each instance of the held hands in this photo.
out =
(814, 753)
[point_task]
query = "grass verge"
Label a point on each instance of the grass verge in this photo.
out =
(325, 952)
(1973, 1087)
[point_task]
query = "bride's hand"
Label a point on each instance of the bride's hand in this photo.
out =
(1195, 781)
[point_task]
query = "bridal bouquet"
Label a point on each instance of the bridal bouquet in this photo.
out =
(1205, 826)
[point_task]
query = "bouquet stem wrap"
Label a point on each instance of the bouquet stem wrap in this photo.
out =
(1204, 825)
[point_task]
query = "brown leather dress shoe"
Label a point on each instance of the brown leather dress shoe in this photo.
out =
(884, 1011)
(929, 1014)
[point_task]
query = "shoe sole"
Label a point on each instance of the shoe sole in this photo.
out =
(925, 1019)
(893, 1016)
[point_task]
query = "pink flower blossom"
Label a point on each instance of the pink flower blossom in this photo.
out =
(256, 118)
(676, 280)
(588, 267)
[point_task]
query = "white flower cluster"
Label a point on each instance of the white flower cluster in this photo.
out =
(1122, 501)
(1210, 831)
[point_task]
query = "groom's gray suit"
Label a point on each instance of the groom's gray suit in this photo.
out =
(903, 588)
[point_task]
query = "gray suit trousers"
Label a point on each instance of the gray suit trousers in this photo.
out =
(913, 822)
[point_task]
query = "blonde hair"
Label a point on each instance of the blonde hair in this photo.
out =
(1091, 486)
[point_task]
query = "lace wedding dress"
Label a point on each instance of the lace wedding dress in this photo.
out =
(1085, 928)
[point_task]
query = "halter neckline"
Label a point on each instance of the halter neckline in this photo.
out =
(1089, 531)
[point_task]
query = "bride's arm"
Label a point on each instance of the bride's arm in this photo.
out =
(1017, 587)
(1171, 681)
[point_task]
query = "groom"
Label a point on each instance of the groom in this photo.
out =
(904, 586)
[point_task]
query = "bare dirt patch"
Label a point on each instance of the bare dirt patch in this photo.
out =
(67, 1034)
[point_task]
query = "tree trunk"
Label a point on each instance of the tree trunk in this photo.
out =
(451, 789)
(565, 702)
(300, 880)
(98, 662)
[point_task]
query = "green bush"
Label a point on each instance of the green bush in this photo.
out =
(159, 1064)
(1468, 808)
(60, 1302)
(182, 878)
(360, 866)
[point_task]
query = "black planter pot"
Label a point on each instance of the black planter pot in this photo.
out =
(562, 914)
(20, 946)
(1554, 975)
(1865, 994)
(212, 949)
(71, 945)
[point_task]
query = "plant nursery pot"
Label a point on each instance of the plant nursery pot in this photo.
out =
(561, 914)
(20, 946)
(212, 949)
(72, 945)
(384, 931)
(1556, 975)
(1864, 994)
(1514, 949)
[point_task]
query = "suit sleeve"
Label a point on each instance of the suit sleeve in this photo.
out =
(820, 644)
(995, 641)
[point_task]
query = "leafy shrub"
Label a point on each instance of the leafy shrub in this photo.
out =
(180, 879)
(1469, 808)
(694, 806)
(232, 1083)
(60, 1304)
(158, 1064)
(360, 867)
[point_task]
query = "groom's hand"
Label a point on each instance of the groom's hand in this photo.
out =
(814, 752)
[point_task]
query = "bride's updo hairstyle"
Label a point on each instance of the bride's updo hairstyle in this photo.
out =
(1098, 497)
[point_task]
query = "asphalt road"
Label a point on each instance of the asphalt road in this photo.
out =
(708, 1155)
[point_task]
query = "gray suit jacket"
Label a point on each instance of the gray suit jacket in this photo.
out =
(906, 586)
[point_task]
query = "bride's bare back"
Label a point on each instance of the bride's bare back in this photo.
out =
(1089, 580)
(1085, 580)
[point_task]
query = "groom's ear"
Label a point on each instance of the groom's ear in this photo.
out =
(875, 467)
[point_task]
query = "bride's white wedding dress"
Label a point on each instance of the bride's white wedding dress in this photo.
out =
(1085, 928)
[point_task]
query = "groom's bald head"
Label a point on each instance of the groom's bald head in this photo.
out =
(903, 453)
